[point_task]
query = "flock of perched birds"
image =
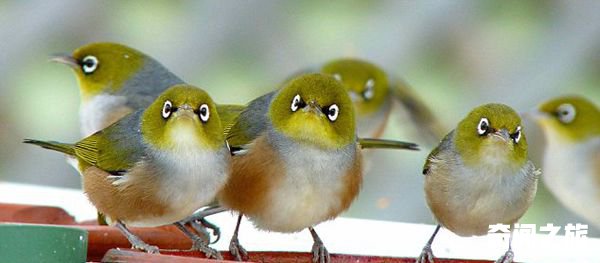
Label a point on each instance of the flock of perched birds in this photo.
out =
(158, 150)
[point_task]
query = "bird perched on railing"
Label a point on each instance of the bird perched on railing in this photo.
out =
(479, 176)
(297, 159)
(155, 166)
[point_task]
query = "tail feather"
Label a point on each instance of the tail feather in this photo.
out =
(65, 148)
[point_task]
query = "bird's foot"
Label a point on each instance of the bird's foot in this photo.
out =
(320, 253)
(426, 255)
(507, 257)
(145, 247)
(200, 245)
(237, 251)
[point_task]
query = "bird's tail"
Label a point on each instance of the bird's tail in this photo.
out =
(368, 143)
(65, 148)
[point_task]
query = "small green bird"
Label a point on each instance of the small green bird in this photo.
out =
(374, 93)
(297, 159)
(479, 175)
(155, 166)
(572, 155)
(115, 80)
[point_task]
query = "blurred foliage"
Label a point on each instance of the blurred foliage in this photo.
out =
(455, 54)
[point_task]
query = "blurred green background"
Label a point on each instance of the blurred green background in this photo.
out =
(456, 55)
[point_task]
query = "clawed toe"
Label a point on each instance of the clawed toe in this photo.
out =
(426, 256)
(507, 257)
(237, 251)
(320, 253)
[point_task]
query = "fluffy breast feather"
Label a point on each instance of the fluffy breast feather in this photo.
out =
(293, 186)
(101, 111)
(467, 200)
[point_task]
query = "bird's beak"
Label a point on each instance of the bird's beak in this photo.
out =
(354, 96)
(65, 59)
(185, 111)
(313, 107)
(502, 134)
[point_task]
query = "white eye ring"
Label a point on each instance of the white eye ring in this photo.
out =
(166, 110)
(483, 126)
(337, 76)
(296, 103)
(516, 136)
(369, 86)
(89, 64)
(204, 112)
(566, 113)
(333, 112)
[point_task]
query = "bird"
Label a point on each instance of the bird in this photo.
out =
(115, 80)
(571, 161)
(479, 175)
(374, 93)
(296, 159)
(155, 166)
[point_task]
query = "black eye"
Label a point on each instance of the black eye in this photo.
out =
(297, 103)
(204, 113)
(167, 109)
(89, 64)
(332, 112)
(483, 127)
(516, 136)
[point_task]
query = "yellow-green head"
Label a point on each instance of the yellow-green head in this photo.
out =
(572, 118)
(491, 134)
(183, 116)
(366, 83)
(314, 109)
(102, 67)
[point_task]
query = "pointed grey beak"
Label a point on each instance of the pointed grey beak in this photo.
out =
(502, 134)
(185, 110)
(313, 107)
(65, 59)
(354, 96)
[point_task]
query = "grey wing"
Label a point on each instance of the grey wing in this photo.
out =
(251, 123)
(433, 157)
(152, 79)
(123, 145)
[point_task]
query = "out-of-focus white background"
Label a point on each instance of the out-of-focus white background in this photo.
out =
(455, 54)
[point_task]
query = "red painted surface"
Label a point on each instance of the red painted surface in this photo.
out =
(103, 239)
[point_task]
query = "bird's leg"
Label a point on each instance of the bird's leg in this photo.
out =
(509, 255)
(235, 248)
(199, 243)
(204, 213)
(320, 253)
(203, 224)
(135, 241)
(199, 224)
(200, 230)
(427, 254)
